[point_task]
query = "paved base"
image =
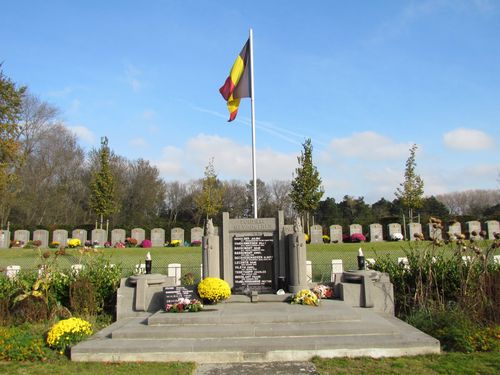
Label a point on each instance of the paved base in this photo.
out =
(269, 368)
(256, 332)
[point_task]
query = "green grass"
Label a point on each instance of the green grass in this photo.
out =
(450, 363)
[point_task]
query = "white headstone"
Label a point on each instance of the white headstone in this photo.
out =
(118, 235)
(157, 237)
(177, 234)
(41, 235)
(81, 234)
(376, 234)
(99, 237)
(309, 271)
(435, 233)
(336, 233)
(60, 236)
(23, 236)
(394, 228)
(4, 239)
(473, 227)
(492, 226)
(414, 229)
(139, 234)
(316, 234)
(454, 230)
(174, 270)
(196, 235)
(337, 269)
(355, 228)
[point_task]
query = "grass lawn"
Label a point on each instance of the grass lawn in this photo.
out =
(450, 363)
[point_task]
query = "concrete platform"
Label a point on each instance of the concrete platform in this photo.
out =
(256, 332)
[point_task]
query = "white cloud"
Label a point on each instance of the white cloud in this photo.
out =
(231, 160)
(369, 145)
(138, 142)
(83, 133)
(468, 140)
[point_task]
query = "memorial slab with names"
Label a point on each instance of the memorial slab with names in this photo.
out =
(253, 259)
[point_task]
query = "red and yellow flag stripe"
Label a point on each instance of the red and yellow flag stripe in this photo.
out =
(237, 85)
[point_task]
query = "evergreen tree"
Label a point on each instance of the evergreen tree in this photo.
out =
(306, 187)
(412, 189)
(102, 185)
(209, 199)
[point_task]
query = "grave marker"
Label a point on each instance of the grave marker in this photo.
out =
(336, 234)
(41, 235)
(316, 234)
(158, 237)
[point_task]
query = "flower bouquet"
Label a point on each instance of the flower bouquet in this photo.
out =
(184, 305)
(323, 291)
(305, 297)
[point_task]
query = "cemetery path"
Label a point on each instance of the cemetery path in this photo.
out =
(269, 368)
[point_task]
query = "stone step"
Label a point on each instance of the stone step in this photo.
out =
(327, 328)
(268, 312)
(216, 350)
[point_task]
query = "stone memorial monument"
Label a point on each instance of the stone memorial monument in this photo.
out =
(139, 234)
(41, 235)
(414, 231)
(177, 234)
(158, 237)
(22, 235)
(60, 236)
(118, 235)
(336, 234)
(99, 236)
(196, 235)
(492, 226)
(316, 234)
(81, 234)
(376, 234)
(4, 239)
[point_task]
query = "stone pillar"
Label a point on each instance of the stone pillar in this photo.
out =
(210, 252)
(297, 257)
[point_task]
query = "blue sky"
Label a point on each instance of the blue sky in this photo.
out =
(363, 79)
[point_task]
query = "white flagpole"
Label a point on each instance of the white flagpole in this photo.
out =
(252, 94)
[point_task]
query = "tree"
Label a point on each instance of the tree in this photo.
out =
(209, 199)
(264, 208)
(306, 187)
(11, 98)
(102, 187)
(412, 189)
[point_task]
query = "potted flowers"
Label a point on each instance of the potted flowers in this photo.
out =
(214, 290)
(305, 297)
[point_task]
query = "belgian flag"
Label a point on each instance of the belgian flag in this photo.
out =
(237, 85)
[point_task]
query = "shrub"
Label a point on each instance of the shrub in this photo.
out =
(20, 344)
(54, 245)
(175, 243)
(146, 244)
(358, 237)
(131, 242)
(74, 242)
(452, 327)
(214, 290)
(68, 332)
(82, 297)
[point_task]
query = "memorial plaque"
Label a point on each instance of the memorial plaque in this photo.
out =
(173, 293)
(253, 258)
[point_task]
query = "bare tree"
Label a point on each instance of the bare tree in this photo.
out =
(469, 202)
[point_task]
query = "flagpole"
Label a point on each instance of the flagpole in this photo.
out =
(252, 100)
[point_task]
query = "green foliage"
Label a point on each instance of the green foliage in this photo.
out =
(209, 200)
(102, 186)
(412, 189)
(11, 98)
(105, 278)
(306, 186)
(22, 344)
